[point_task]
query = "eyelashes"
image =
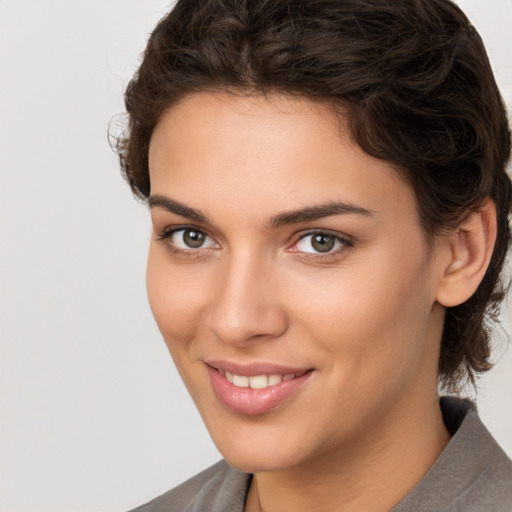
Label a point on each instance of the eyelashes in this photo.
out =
(321, 242)
(188, 242)
(315, 244)
(188, 238)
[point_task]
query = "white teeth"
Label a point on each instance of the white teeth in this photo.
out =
(274, 379)
(241, 381)
(258, 382)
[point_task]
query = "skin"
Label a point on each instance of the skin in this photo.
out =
(366, 426)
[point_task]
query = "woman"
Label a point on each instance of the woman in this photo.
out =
(327, 188)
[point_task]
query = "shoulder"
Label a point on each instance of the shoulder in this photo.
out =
(490, 467)
(218, 488)
(472, 474)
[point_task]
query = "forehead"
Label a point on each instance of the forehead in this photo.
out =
(279, 152)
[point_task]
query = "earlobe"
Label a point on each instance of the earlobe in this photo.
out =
(470, 248)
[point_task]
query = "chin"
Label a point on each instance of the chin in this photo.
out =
(259, 447)
(259, 460)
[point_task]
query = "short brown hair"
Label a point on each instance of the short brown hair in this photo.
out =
(412, 79)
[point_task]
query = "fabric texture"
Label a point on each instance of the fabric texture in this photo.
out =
(472, 474)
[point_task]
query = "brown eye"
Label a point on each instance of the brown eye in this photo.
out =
(193, 239)
(323, 242)
(188, 239)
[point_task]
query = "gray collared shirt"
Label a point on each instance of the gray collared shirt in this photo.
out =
(472, 474)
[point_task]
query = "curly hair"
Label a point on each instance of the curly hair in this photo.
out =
(411, 77)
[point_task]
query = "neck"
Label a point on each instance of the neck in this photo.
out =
(372, 476)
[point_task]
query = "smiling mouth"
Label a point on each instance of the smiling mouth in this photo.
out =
(262, 381)
(256, 389)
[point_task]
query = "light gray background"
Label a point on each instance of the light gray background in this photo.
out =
(93, 416)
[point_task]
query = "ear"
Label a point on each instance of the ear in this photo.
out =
(468, 253)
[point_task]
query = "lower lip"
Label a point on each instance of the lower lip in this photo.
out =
(250, 401)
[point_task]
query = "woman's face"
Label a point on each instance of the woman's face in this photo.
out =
(290, 279)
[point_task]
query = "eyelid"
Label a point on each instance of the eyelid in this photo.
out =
(347, 242)
(166, 234)
(316, 231)
(170, 230)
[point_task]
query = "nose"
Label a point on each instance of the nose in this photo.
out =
(246, 307)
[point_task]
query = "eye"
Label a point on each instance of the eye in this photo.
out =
(189, 239)
(320, 243)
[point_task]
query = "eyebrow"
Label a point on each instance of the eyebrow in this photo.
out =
(306, 214)
(316, 212)
(173, 206)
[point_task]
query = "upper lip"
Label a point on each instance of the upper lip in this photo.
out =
(256, 368)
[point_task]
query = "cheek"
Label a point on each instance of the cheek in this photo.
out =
(369, 330)
(370, 317)
(176, 297)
